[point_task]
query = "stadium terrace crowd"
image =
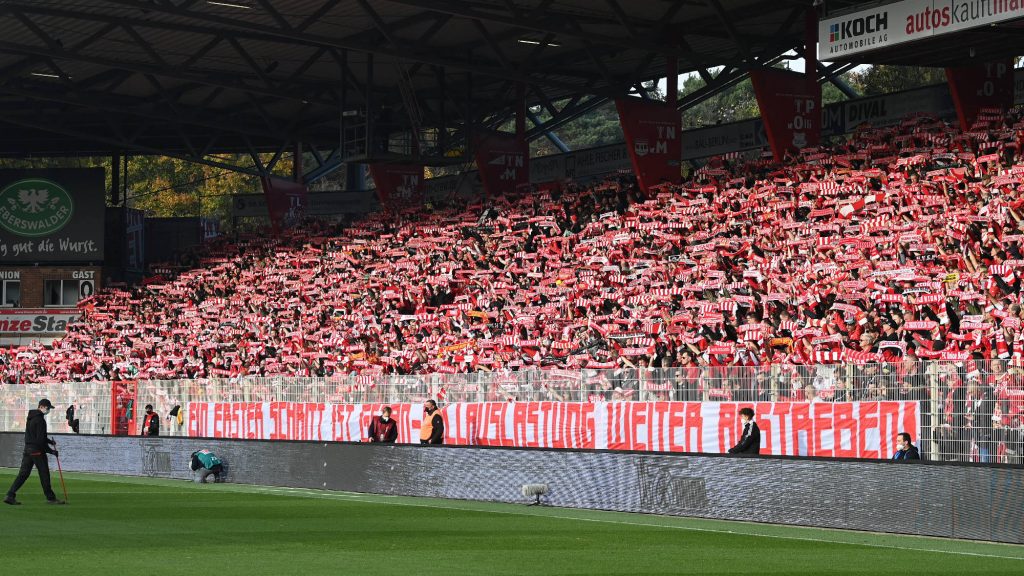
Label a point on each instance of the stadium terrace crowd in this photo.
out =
(896, 245)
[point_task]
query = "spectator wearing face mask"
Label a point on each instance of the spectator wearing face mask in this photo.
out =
(432, 425)
(151, 425)
(383, 428)
(905, 450)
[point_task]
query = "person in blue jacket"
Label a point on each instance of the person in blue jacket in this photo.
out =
(904, 449)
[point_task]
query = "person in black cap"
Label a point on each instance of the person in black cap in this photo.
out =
(37, 446)
(151, 425)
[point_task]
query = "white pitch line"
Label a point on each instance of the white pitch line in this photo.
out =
(365, 499)
(145, 492)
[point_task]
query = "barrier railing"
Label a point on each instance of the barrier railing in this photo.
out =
(971, 411)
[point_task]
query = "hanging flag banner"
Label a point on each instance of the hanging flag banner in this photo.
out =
(652, 131)
(790, 107)
(398, 184)
(974, 88)
(504, 162)
(285, 200)
(827, 429)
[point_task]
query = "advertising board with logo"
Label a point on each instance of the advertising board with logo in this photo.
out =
(579, 165)
(886, 109)
(20, 326)
(906, 21)
(724, 139)
(51, 215)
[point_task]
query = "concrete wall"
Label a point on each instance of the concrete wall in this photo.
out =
(960, 501)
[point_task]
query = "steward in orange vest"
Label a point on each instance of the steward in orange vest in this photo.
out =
(432, 425)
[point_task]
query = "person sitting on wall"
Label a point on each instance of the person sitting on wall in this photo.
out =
(151, 425)
(904, 449)
(432, 425)
(204, 464)
(750, 441)
(383, 428)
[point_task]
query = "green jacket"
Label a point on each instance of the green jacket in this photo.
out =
(207, 459)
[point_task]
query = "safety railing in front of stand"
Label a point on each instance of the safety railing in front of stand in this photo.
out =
(970, 411)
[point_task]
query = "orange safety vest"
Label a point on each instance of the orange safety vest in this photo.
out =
(427, 425)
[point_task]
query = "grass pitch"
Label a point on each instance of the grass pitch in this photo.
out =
(117, 525)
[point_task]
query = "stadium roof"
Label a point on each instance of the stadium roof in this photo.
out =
(194, 77)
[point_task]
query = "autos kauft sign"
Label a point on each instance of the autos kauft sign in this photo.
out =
(906, 21)
(51, 215)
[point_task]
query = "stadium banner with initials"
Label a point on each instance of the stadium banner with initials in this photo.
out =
(975, 88)
(790, 107)
(841, 429)
(398, 184)
(52, 216)
(503, 160)
(652, 131)
(906, 21)
(285, 199)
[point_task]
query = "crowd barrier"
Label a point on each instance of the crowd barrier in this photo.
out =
(966, 411)
(946, 500)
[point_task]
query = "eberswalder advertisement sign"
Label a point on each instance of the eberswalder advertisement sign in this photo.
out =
(840, 429)
(51, 215)
(906, 21)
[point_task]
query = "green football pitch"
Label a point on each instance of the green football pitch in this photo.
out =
(115, 525)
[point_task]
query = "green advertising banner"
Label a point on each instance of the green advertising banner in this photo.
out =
(51, 216)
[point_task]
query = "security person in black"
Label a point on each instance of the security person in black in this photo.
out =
(37, 446)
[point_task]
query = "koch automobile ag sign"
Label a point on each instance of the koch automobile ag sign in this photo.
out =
(35, 207)
(906, 21)
(859, 32)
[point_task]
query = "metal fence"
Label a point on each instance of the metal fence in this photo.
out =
(971, 411)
